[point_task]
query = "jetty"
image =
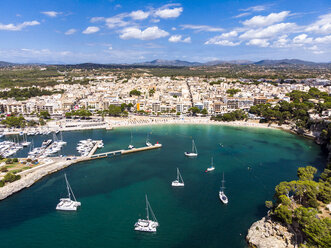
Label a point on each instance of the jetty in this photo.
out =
(123, 152)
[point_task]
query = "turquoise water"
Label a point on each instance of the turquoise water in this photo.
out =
(112, 190)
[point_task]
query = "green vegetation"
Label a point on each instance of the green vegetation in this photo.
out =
(232, 92)
(196, 110)
(45, 114)
(135, 92)
(296, 111)
(236, 115)
(78, 113)
(300, 203)
(14, 121)
(9, 178)
(151, 92)
(23, 94)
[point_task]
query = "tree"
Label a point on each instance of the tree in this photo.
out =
(269, 204)
(45, 114)
(306, 173)
(151, 92)
(232, 92)
(284, 213)
(135, 92)
(194, 110)
(114, 110)
(10, 177)
(204, 111)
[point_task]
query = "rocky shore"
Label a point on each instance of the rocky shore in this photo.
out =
(30, 178)
(266, 233)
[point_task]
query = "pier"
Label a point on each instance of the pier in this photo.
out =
(120, 152)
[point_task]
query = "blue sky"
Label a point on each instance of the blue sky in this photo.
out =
(114, 31)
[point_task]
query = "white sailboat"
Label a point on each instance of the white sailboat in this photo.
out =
(179, 182)
(67, 204)
(147, 225)
(222, 195)
(148, 143)
(211, 168)
(194, 152)
(131, 146)
(25, 142)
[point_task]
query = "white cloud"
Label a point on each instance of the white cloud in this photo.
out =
(178, 38)
(270, 31)
(200, 28)
(116, 21)
(222, 42)
(139, 15)
(166, 13)
(258, 42)
(323, 25)
(282, 41)
(255, 8)
(91, 30)
(223, 39)
(242, 15)
(325, 39)
(51, 13)
(261, 21)
(18, 27)
(70, 31)
(302, 39)
(150, 33)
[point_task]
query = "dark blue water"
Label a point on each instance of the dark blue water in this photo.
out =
(112, 190)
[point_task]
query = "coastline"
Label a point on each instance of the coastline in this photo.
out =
(29, 177)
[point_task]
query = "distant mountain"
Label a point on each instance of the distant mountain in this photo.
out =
(235, 62)
(6, 64)
(161, 62)
(285, 62)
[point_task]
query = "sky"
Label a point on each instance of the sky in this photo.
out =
(130, 31)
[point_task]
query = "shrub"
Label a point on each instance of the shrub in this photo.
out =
(2, 183)
(15, 160)
(10, 177)
(9, 161)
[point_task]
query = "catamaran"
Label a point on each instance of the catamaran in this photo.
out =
(211, 168)
(222, 196)
(179, 182)
(194, 152)
(147, 225)
(131, 146)
(67, 204)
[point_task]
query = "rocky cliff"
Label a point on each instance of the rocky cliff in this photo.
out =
(266, 233)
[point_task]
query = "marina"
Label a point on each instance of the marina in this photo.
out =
(112, 191)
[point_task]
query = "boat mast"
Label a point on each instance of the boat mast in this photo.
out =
(177, 175)
(222, 188)
(212, 162)
(147, 212)
(68, 187)
(180, 175)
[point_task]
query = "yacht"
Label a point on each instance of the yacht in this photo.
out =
(179, 182)
(25, 142)
(147, 225)
(67, 204)
(194, 152)
(46, 143)
(211, 168)
(222, 195)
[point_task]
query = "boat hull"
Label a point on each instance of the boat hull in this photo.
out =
(223, 197)
(188, 154)
(146, 226)
(177, 184)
